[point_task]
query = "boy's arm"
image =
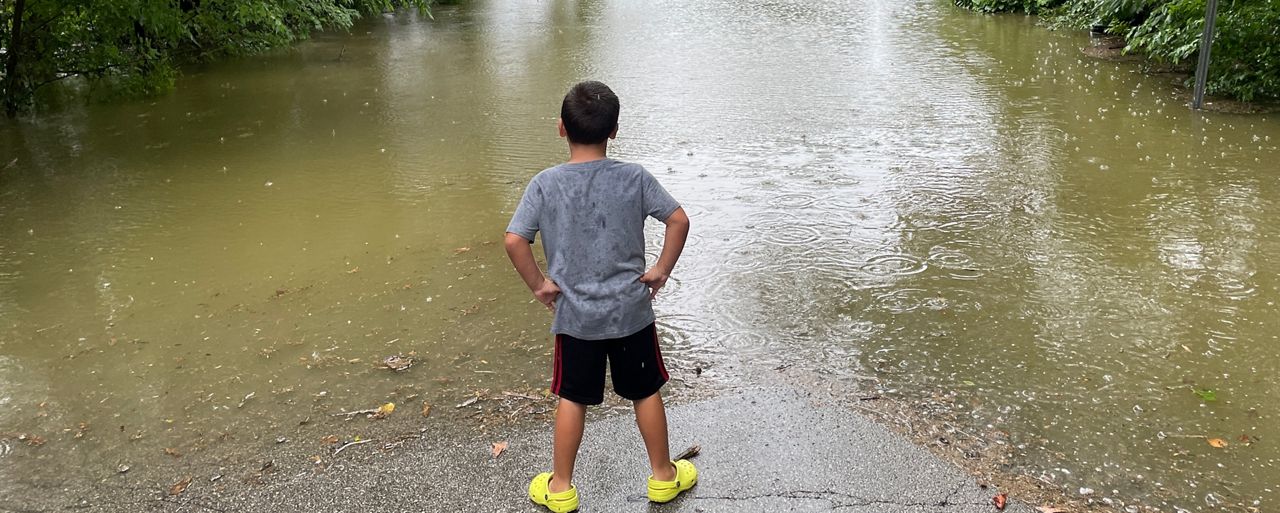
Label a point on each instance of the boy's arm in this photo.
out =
(520, 252)
(672, 245)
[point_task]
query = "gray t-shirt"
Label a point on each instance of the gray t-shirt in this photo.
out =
(591, 215)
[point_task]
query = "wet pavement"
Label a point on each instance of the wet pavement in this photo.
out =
(762, 449)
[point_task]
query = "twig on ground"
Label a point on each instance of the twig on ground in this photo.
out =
(349, 444)
(350, 414)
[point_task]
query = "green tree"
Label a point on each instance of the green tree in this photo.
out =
(136, 45)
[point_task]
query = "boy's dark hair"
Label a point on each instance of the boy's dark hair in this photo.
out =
(589, 112)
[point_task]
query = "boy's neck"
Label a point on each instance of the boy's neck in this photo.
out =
(587, 152)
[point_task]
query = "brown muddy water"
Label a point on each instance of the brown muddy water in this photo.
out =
(900, 193)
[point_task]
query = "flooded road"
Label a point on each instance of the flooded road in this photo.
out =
(897, 193)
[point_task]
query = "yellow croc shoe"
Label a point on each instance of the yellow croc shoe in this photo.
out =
(665, 491)
(562, 502)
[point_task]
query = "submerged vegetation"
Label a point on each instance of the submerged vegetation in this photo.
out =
(1246, 48)
(135, 46)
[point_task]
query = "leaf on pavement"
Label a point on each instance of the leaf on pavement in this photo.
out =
(498, 448)
(1000, 501)
(180, 486)
(1217, 443)
(692, 451)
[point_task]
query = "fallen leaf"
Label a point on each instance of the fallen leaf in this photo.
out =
(172, 452)
(331, 439)
(426, 409)
(180, 486)
(1000, 501)
(33, 440)
(461, 250)
(498, 447)
(1050, 509)
(468, 402)
(1217, 443)
(1207, 395)
(383, 411)
(354, 270)
(692, 451)
(1245, 439)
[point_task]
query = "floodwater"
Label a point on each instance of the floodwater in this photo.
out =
(897, 192)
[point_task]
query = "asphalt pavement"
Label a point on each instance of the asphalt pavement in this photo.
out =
(763, 449)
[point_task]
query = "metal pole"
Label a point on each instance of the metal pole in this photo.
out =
(1206, 44)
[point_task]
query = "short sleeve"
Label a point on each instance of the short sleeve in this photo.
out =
(658, 203)
(525, 221)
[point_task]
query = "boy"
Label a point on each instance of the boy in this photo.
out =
(591, 212)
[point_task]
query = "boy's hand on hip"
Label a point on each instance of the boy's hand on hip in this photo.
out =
(655, 279)
(547, 294)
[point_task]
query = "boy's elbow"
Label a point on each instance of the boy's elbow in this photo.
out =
(678, 219)
(514, 241)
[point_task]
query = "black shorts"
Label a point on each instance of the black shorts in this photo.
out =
(635, 361)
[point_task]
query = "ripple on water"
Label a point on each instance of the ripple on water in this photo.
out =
(793, 200)
(949, 259)
(772, 218)
(685, 335)
(900, 301)
(894, 264)
(1227, 285)
(792, 235)
(761, 348)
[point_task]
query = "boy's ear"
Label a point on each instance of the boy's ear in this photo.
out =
(614, 133)
(560, 127)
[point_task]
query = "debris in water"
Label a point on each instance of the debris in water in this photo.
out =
(1217, 443)
(398, 363)
(172, 452)
(246, 399)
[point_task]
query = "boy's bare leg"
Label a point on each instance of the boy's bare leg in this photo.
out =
(570, 417)
(651, 417)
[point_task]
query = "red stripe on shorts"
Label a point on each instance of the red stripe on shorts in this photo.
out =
(555, 369)
(657, 351)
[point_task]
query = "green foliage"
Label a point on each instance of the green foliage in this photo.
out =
(136, 45)
(994, 6)
(1246, 48)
